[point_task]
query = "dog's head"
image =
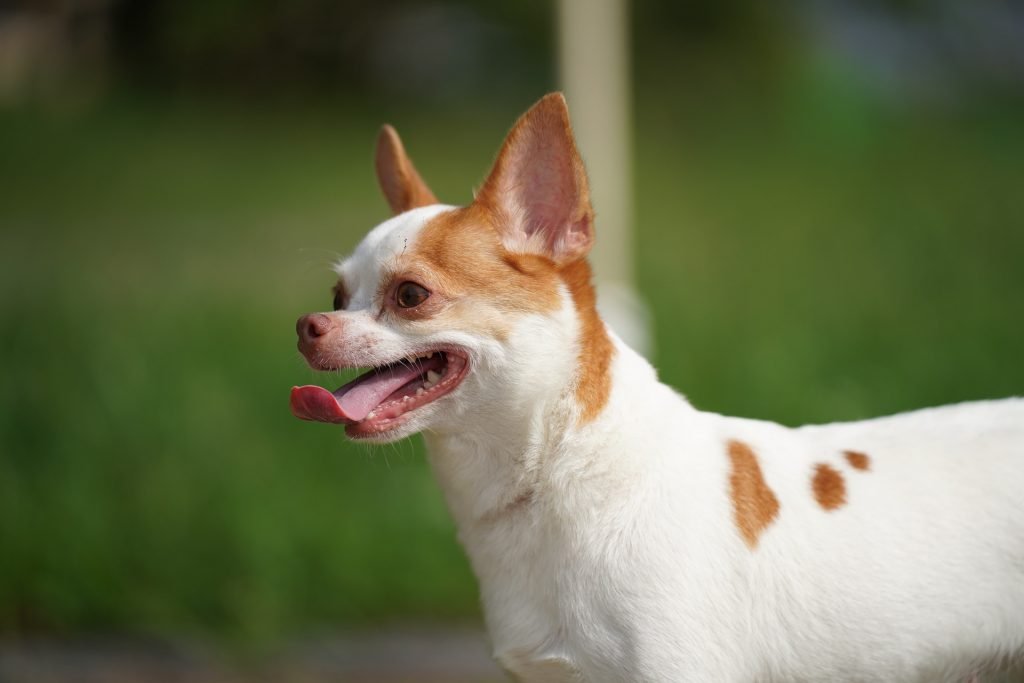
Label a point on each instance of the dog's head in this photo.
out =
(462, 313)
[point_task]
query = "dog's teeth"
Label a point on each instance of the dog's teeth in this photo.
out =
(430, 355)
(419, 391)
(432, 377)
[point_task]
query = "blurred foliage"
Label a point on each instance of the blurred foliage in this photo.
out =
(812, 250)
(153, 262)
(421, 49)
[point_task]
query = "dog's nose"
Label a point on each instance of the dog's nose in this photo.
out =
(313, 326)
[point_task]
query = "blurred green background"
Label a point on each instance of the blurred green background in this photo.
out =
(830, 226)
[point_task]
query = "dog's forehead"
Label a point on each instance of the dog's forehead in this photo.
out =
(386, 242)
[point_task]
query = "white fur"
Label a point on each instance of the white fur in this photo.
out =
(610, 552)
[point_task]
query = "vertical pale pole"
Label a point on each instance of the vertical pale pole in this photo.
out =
(595, 74)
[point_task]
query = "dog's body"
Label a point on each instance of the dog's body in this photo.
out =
(618, 533)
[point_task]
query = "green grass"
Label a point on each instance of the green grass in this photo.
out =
(801, 266)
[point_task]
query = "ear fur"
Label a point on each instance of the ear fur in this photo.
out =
(538, 186)
(401, 183)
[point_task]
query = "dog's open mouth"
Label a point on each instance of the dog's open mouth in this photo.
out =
(381, 399)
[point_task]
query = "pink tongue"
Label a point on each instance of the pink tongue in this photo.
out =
(316, 403)
(354, 401)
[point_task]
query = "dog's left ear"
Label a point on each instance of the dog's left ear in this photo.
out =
(402, 185)
(538, 187)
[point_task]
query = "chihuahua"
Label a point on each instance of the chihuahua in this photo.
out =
(617, 532)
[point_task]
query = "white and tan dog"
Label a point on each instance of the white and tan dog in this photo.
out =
(620, 534)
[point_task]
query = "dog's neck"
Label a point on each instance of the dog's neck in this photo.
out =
(489, 462)
(492, 465)
(495, 467)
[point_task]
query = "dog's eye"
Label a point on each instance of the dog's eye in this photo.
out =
(410, 295)
(339, 300)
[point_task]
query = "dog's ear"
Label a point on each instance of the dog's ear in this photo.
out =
(402, 185)
(538, 187)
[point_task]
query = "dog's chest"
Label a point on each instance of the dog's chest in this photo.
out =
(544, 602)
(533, 626)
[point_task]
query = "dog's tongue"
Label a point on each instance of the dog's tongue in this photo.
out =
(354, 401)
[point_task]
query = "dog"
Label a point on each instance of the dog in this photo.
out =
(617, 532)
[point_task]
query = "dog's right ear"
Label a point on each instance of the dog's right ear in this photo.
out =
(402, 185)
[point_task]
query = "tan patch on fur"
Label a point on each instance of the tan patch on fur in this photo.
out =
(858, 461)
(829, 487)
(594, 379)
(754, 504)
(399, 180)
(462, 254)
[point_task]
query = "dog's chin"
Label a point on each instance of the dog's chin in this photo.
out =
(400, 428)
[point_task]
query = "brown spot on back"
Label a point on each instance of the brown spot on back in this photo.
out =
(829, 487)
(754, 503)
(858, 460)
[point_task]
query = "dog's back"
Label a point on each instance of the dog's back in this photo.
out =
(896, 541)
